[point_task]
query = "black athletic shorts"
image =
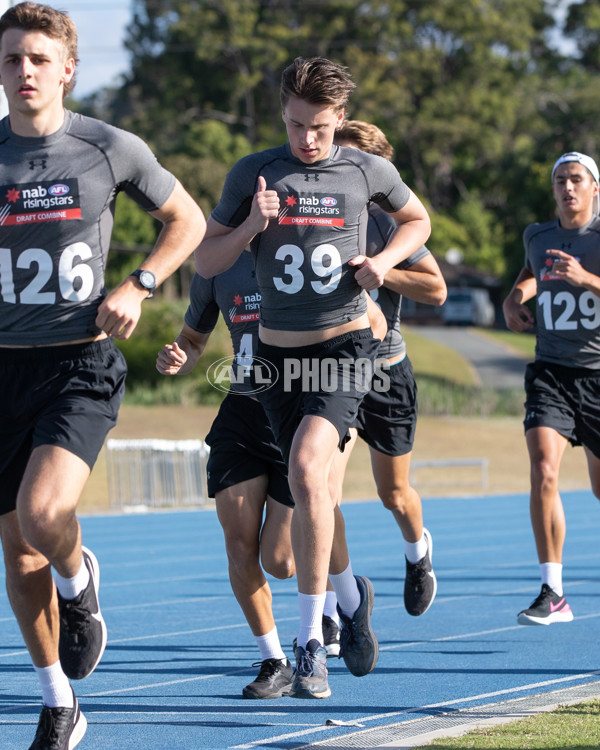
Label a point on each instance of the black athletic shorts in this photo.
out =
(567, 399)
(387, 416)
(328, 379)
(242, 446)
(68, 396)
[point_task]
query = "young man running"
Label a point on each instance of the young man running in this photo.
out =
(246, 473)
(302, 208)
(387, 416)
(562, 386)
(61, 377)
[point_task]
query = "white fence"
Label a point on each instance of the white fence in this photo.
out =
(157, 473)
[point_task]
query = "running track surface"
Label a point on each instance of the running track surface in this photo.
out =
(179, 651)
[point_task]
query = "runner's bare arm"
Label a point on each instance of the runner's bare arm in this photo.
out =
(223, 245)
(413, 230)
(571, 270)
(517, 315)
(182, 355)
(422, 282)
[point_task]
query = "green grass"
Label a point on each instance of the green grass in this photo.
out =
(448, 384)
(435, 361)
(522, 344)
(568, 728)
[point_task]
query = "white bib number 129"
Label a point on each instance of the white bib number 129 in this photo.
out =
(75, 277)
(567, 303)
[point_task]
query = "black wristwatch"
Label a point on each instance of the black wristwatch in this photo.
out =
(147, 279)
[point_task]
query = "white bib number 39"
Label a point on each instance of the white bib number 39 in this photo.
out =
(325, 262)
(75, 277)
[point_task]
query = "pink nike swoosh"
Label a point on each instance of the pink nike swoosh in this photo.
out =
(554, 607)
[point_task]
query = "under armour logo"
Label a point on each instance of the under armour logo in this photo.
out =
(309, 177)
(565, 246)
(41, 163)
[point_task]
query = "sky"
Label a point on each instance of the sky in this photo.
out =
(101, 26)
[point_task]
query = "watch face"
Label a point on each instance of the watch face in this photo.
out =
(147, 279)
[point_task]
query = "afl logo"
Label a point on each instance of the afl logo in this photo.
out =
(58, 189)
(328, 202)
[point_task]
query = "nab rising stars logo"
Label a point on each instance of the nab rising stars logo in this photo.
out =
(546, 273)
(250, 311)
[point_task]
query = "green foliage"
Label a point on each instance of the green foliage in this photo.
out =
(475, 231)
(160, 323)
(133, 227)
(477, 103)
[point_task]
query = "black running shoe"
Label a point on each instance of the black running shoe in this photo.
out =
(60, 728)
(274, 679)
(331, 636)
(358, 643)
(310, 675)
(420, 584)
(82, 628)
(549, 607)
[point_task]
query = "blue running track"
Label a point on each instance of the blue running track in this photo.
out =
(179, 651)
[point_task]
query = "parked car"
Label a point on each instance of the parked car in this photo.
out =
(468, 306)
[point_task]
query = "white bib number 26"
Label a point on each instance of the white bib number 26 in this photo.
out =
(75, 276)
(325, 262)
(560, 310)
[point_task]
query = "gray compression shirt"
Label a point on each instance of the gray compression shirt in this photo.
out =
(57, 196)
(380, 228)
(235, 293)
(302, 257)
(568, 317)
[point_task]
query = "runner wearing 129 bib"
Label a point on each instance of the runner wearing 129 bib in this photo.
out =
(302, 208)
(562, 268)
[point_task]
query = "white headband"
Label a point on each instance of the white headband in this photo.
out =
(582, 159)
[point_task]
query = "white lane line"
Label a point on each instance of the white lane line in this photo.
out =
(419, 709)
(234, 626)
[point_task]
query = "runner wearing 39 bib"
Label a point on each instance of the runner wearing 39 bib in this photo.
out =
(302, 209)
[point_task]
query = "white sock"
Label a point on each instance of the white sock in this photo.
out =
(69, 588)
(56, 690)
(346, 590)
(552, 575)
(415, 551)
(330, 608)
(269, 646)
(311, 618)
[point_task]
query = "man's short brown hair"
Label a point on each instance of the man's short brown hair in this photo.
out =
(366, 137)
(53, 23)
(316, 80)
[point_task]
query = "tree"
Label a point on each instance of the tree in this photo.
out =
(469, 94)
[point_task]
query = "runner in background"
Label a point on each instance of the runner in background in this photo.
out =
(562, 385)
(387, 416)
